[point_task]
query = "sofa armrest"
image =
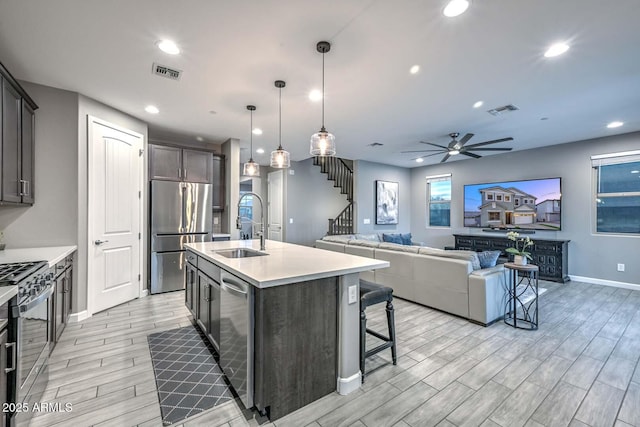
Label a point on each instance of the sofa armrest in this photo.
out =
(487, 294)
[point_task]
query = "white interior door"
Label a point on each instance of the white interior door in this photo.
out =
(115, 213)
(275, 189)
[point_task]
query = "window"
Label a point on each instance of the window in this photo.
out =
(616, 179)
(499, 197)
(439, 201)
(507, 198)
(489, 196)
(494, 216)
(516, 201)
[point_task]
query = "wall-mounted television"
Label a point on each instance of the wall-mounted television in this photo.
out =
(532, 204)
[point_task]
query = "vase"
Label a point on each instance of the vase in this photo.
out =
(520, 260)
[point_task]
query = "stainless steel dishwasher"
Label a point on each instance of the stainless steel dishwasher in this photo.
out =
(236, 335)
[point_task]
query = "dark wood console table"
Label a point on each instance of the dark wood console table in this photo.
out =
(550, 255)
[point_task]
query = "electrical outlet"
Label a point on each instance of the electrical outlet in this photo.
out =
(353, 294)
(290, 220)
(215, 220)
(620, 267)
(367, 221)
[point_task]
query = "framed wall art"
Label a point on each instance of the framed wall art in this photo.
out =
(386, 202)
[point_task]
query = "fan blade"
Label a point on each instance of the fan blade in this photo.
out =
(426, 155)
(435, 145)
(465, 139)
(422, 151)
(466, 153)
(488, 149)
(495, 141)
(445, 158)
(454, 142)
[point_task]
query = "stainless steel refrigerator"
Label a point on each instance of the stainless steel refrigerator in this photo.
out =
(181, 212)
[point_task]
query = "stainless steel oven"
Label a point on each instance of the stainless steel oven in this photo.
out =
(31, 318)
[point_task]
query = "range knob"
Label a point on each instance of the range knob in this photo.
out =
(33, 291)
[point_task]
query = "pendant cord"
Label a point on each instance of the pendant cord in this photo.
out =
(280, 121)
(251, 137)
(322, 90)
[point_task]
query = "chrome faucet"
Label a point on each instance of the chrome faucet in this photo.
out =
(262, 225)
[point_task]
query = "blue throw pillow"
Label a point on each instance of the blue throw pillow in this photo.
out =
(488, 258)
(391, 238)
(406, 239)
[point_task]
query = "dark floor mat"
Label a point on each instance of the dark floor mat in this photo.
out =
(188, 377)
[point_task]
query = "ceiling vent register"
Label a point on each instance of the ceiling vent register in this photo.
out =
(504, 109)
(164, 71)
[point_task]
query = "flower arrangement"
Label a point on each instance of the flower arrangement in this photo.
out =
(524, 241)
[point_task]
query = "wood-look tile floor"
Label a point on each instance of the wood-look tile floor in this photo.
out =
(579, 369)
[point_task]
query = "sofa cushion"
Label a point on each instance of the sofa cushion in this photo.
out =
(401, 248)
(339, 239)
(374, 237)
(392, 238)
(488, 258)
(463, 255)
(367, 243)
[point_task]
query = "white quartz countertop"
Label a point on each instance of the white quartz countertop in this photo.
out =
(220, 235)
(7, 292)
(51, 254)
(285, 262)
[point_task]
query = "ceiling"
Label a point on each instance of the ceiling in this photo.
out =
(233, 51)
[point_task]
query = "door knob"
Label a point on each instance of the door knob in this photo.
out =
(99, 242)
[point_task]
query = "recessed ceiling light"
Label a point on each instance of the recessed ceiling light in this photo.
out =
(556, 50)
(544, 118)
(615, 124)
(260, 150)
(199, 138)
(213, 112)
(151, 109)
(455, 8)
(167, 46)
(315, 95)
(478, 104)
(419, 160)
(414, 69)
(257, 131)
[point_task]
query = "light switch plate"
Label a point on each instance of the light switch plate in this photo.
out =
(292, 172)
(353, 294)
(290, 220)
(367, 221)
(215, 220)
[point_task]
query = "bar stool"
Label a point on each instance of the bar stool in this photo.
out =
(370, 294)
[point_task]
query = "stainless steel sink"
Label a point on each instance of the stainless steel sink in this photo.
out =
(239, 253)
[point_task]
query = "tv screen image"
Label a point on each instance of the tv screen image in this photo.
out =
(531, 204)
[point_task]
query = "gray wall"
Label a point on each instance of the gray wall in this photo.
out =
(590, 255)
(90, 107)
(366, 174)
(53, 219)
(310, 199)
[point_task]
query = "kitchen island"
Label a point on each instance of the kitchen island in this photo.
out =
(301, 318)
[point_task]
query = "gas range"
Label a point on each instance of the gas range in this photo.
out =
(32, 279)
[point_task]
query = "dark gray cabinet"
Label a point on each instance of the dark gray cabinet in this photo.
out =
(62, 297)
(17, 139)
(218, 183)
(179, 164)
(550, 255)
(209, 308)
(4, 380)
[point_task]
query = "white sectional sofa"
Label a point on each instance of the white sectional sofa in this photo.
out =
(445, 280)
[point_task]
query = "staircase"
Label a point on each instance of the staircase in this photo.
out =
(340, 171)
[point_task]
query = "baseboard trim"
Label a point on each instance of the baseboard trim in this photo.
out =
(351, 384)
(79, 316)
(604, 282)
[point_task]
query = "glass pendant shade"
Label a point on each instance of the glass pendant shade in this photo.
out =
(323, 143)
(251, 168)
(280, 158)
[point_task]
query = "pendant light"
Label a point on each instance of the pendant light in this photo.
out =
(323, 142)
(280, 158)
(251, 168)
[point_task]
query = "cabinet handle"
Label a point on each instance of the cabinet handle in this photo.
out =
(179, 172)
(23, 187)
(13, 356)
(185, 173)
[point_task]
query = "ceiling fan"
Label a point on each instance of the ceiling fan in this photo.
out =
(456, 147)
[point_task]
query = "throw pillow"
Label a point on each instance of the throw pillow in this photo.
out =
(406, 239)
(488, 258)
(392, 238)
(372, 237)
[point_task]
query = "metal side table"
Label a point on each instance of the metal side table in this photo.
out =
(521, 308)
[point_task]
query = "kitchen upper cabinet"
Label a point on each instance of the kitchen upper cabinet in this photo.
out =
(17, 139)
(179, 164)
(218, 183)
